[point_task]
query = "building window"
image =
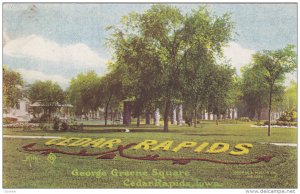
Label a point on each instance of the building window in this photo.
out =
(27, 107)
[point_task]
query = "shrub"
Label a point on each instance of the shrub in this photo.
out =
(64, 126)
(44, 118)
(188, 121)
(267, 123)
(34, 120)
(294, 124)
(26, 128)
(44, 127)
(8, 120)
(281, 123)
(76, 127)
(259, 123)
(56, 125)
(80, 128)
(244, 119)
(41, 126)
(290, 116)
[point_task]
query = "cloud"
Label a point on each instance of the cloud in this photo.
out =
(33, 46)
(32, 75)
(5, 38)
(238, 55)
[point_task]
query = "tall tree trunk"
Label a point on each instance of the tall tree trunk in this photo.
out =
(106, 109)
(111, 114)
(138, 120)
(166, 116)
(106, 115)
(270, 108)
(172, 117)
(148, 118)
(113, 117)
(195, 117)
(217, 119)
(127, 113)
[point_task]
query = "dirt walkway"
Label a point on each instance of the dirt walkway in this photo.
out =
(29, 137)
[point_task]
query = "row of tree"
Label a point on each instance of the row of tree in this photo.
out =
(166, 57)
(262, 82)
(163, 58)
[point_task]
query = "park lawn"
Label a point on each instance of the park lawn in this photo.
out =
(207, 129)
(280, 172)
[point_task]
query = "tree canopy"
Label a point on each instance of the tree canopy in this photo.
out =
(46, 93)
(12, 87)
(82, 92)
(290, 97)
(274, 65)
(109, 92)
(171, 45)
(254, 90)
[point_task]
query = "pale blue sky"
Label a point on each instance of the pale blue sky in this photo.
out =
(57, 41)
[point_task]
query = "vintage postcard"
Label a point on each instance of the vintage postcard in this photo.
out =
(150, 95)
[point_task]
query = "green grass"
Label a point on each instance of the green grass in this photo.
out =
(280, 172)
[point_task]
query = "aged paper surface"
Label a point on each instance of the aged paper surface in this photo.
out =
(140, 95)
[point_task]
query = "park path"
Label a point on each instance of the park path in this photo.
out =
(285, 144)
(30, 137)
(52, 137)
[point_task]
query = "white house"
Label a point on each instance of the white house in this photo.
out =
(24, 109)
(20, 111)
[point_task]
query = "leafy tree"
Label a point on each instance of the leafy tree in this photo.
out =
(109, 92)
(48, 94)
(220, 85)
(137, 74)
(275, 65)
(234, 93)
(196, 88)
(255, 94)
(170, 37)
(290, 97)
(82, 92)
(254, 90)
(88, 92)
(12, 87)
(203, 48)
